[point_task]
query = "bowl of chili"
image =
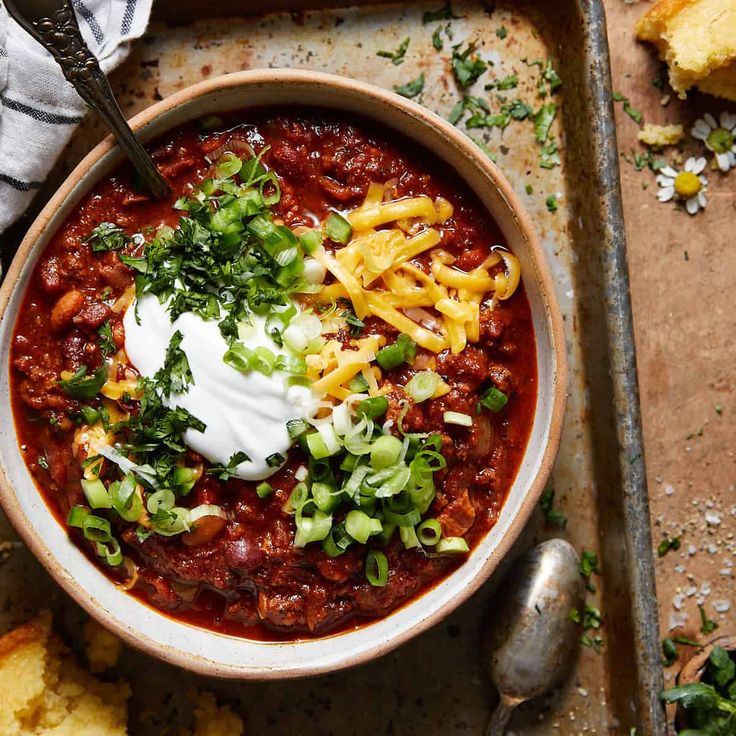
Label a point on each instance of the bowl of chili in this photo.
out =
(367, 466)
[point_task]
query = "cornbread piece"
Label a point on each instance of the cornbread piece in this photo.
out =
(102, 648)
(661, 135)
(212, 720)
(44, 693)
(697, 39)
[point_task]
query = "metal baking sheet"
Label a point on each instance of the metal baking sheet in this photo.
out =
(436, 683)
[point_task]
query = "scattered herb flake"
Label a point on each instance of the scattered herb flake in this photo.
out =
(549, 156)
(529, 189)
(551, 203)
(588, 566)
(502, 32)
(543, 119)
(551, 515)
(107, 236)
(667, 544)
(397, 57)
(356, 325)
(411, 89)
(437, 41)
(107, 342)
(707, 625)
(719, 409)
(467, 66)
(43, 462)
(458, 110)
(175, 375)
(225, 472)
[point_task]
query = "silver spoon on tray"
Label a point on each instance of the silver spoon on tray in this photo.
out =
(53, 24)
(531, 638)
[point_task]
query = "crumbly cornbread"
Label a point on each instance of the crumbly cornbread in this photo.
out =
(102, 648)
(44, 693)
(212, 720)
(661, 135)
(697, 39)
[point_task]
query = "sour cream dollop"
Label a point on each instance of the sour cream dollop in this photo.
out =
(244, 412)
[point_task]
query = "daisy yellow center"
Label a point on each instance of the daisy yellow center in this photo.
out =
(721, 140)
(687, 184)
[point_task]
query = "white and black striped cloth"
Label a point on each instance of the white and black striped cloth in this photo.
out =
(39, 109)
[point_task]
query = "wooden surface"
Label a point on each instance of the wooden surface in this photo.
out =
(683, 278)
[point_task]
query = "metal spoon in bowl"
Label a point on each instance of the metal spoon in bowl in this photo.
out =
(53, 24)
(531, 638)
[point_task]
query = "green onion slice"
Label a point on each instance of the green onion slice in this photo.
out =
(423, 386)
(96, 493)
(360, 526)
(494, 399)
(385, 451)
(338, 229)
(458, 418)
(264, 490)
(429, 532)
(374, 407)
(376, 568)
(452, 546)
(313, 528)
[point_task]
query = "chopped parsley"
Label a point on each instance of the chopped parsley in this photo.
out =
(467, 66)
(411, 89)
(588, 566)
(107, 236)
(551, 202)
(549, 156)
(356, 325)
(397, 57)
(551, 77)
(437, 41)
(502, 32)
(632, 112)
(509, 82)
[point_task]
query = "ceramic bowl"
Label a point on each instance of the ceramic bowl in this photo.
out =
(202, 650)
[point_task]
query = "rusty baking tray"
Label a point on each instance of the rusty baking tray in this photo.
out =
(435, 684)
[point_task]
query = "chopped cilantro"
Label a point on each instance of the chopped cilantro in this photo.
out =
(502, 32)
(444, 13)
(509, 82)
(551, 77)
(588, 566)
(528, 188)
(175, 375)
(356, 325)
(437, 41)
(458, 110)
(225, 472)
(411, 89)
(107, 236)
(549, 156)
(543, 119)
(633, 113)
(397, 57)
(551, 202)
(518, 110)
(82, 386)
(107, 342)
(594, 642)
(43, 462)
(467, 66)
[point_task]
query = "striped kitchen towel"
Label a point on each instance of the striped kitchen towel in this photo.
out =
(39, 109)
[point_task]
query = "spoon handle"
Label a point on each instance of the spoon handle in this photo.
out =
(54, 25)
(500, 718)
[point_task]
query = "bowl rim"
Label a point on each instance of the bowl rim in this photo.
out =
(542, 279)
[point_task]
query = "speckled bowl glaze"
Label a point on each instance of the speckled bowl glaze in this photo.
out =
(202, 650)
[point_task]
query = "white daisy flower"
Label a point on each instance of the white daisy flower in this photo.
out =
(719, 136)
(688, 185)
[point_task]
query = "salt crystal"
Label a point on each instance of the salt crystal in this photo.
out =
(691, 590)
(712, 549)
(726, 572)
(668, 490)
(691, 550)
(676, 620)
(722, 606)
(705, 588)
(713, 518)
(583, 692)
(677, 601)
(680, 569)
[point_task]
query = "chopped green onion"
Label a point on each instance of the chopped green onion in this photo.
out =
(409, 537)
(402, 351)
(338, 229)
(163, 499)
(310, 240)
(228, 165)
(360, 526)
(374, 407)
(311, 529)
(264, 490)
(170, 522)
(296, 428)
(494, 399)
(264, 361)
(358, 385)
(395, 484)
(429, 532)
(77, 515)
(125, 500)
(411, 518)
(325, 496)
(110, 551)
(452, 546)
(96, 493)
(299, 496)
(386, 534)
(385, 451)
(291, 364)
(96, 529)
(423, 386)
(376, 568)
(275, 460)
(352, 487)
(317, 446)
(337, 541)
(458, 418)
(184, 479)
(240, 357)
